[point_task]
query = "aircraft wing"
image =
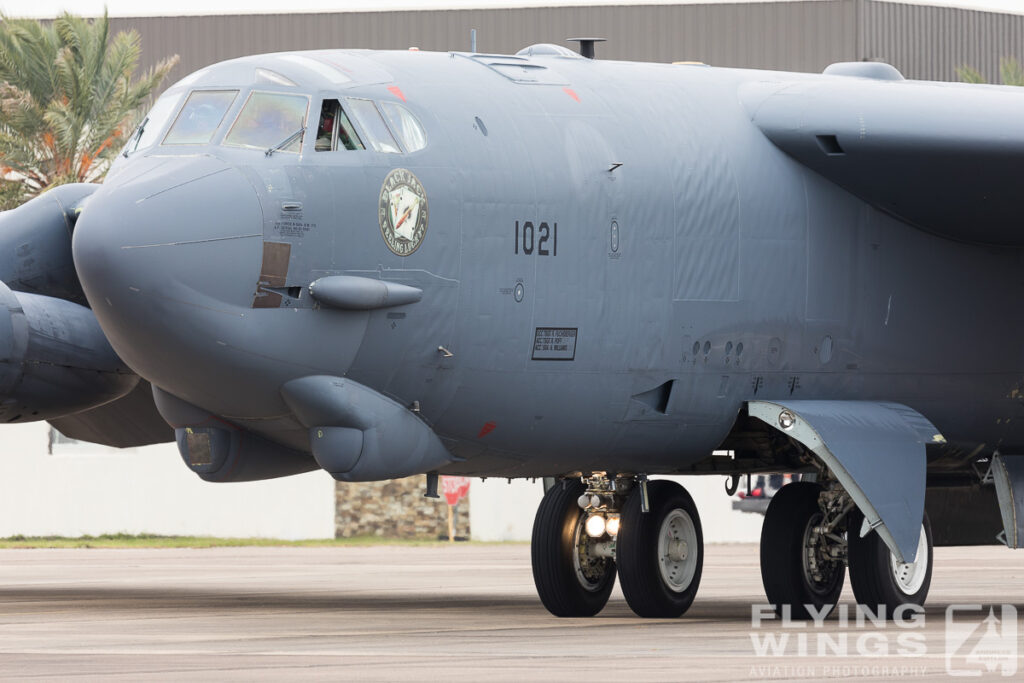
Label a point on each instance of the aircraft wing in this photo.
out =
(131, 420)
(945, 157)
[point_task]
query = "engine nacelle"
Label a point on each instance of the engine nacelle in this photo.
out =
(54, 359)
(35, 243)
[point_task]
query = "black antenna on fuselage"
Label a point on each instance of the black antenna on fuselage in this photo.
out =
(586, 45)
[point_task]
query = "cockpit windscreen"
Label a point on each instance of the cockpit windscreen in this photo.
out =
(153, 123)
(269, 120)
(405, 125)
(200, 118)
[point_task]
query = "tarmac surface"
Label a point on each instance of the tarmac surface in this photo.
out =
(459, 613)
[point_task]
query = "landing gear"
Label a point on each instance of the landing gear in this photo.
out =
(802, 551)
(812, 533)
(574, 572)
(878, 580)
(650, 530)
(660, 552)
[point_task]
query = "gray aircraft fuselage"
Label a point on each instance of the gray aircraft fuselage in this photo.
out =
(615, 259)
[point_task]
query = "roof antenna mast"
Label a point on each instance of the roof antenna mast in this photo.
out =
(586, 45)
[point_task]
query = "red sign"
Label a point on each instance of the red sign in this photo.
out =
(455, 488)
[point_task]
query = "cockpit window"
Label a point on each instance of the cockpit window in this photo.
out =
(405, 126)
(200, 118)
(272, 121)
(149, 128)
(373, 125)
(335, 130)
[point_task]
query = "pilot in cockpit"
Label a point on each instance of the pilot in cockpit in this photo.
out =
(325, 129)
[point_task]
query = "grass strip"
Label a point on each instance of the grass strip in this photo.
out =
(154, 541)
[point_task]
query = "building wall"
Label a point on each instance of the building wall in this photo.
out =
(501, 510)
(930, 42)
(795, 35)
(85, 489)
(921, 41)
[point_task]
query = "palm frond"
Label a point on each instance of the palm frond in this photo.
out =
(68, 99)
(968, 74)
(1010, 71)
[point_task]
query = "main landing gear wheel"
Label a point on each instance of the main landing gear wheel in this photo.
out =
(878, 580)
(796, 568)
(573, 576)
(660, 553)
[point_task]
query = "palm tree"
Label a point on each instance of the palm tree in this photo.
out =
(1010, 72)
(67, 101)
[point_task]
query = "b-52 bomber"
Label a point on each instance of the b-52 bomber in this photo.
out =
(384, 264)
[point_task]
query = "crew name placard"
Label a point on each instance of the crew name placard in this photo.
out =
(554, 343)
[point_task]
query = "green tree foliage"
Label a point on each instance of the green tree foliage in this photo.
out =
(68, 101)
(1010, 72)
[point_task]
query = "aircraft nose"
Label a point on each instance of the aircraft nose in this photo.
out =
(183, 236)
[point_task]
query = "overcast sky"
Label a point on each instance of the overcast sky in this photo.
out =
(135, 8)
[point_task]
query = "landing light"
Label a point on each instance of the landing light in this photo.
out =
(612, 525)
(595, 526)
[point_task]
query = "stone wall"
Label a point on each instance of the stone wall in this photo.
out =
(396, 509)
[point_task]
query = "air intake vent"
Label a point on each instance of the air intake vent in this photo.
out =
(657, 399)
(829, 145)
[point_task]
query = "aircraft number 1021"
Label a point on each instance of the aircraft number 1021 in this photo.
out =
(542, 239)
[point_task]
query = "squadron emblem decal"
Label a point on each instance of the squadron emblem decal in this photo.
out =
(402, 212)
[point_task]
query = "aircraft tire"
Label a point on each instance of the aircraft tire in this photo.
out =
(660, 553)
(877, 579)
(791, 514)
(568, 582)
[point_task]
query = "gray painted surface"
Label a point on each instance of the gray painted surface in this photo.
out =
(873, 138)
(131, 420)
(607, 280)
(922, 42)
(706, 270)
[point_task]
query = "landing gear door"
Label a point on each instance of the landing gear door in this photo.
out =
(1008, 473)
(876, 450)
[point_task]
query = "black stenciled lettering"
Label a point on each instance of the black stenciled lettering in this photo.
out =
(528, 242)
(542, 238)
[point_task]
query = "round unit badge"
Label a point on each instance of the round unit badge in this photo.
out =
(402, 212)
